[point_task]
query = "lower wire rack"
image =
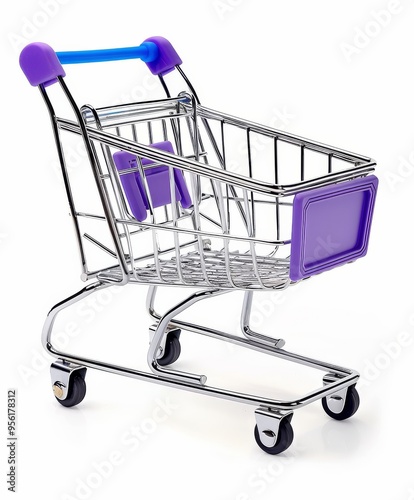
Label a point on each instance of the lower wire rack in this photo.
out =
(216, 269)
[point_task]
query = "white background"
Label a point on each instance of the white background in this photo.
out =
(273, 62)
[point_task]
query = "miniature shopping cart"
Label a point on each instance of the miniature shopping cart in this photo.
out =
(175, 194)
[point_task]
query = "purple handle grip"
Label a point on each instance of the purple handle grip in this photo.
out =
(40, 64)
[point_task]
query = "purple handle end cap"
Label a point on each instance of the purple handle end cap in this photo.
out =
(40, 64)
(167, 58)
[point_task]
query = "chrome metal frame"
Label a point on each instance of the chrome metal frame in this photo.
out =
(344, 377)
(219, 271)
(246, 192)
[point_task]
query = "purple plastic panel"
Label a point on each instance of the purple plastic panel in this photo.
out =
(132, 189)
(163, 189)
(167, 59)
(40, 64)
(158, 180)
(331, 226)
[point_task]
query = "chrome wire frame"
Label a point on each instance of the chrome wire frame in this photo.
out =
(342, 377)
(234, 196)
(216, 271)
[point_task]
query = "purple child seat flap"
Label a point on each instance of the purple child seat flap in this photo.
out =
(158, 180)
(331, 226)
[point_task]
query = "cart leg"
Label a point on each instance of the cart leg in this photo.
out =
(68, 379)
(337, 379)
(162, 329)
(248, 332)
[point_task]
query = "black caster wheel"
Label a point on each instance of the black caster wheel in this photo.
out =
(350, 407)
(172, 349)
(76, 391)
(284, 439)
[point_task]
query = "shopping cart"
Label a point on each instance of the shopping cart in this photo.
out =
(175, 194)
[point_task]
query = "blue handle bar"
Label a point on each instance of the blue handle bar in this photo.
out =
(147, 52)
(42, 65)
